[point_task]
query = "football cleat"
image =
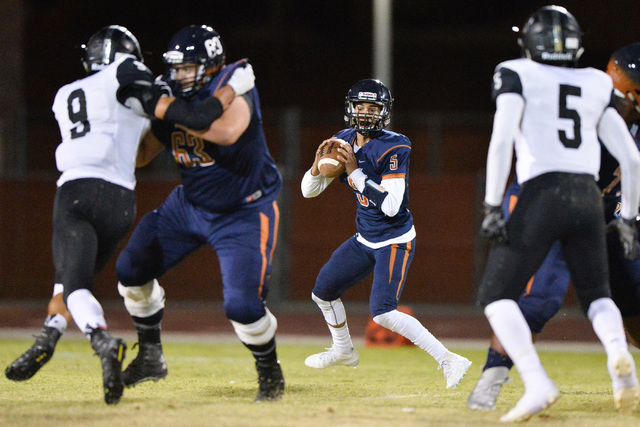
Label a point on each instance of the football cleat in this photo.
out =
(625, 382)
(26, 366)
(271, 383)
(454, 367)
(111, 352)
(332, 357)
(532, 403)
(149, 365)
(486, 392)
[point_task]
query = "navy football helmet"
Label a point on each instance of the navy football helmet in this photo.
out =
(105, 46)
(372, 91)
(552, 36)
(199, 45)
(624, 69)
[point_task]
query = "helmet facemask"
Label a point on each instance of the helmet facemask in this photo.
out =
(364, 122)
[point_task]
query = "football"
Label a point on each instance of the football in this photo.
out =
(328, 164)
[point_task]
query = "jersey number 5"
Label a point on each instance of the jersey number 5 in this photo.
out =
(568, 113)
(77, 108)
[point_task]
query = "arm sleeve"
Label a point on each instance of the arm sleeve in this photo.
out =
(616, 138)
(395, 188)
(509, 108)
(311, 185)
(199, 117)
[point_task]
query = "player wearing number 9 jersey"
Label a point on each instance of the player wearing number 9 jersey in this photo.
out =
(102, 119)
(554, 114)
(377, 170)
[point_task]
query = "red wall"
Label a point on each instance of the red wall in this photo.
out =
(442, 270)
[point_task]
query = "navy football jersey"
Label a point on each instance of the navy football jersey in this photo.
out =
(224, 178)
(384, 157)
(609, 181)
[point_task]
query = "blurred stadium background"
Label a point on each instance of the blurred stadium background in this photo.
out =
(306, 55)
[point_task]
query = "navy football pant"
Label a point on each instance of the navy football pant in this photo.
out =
(244, 241)
(353, 261)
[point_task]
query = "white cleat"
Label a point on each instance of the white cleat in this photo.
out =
(626, 392)
(454, 368)
(332, 357)
(531, 404)
(485, 394)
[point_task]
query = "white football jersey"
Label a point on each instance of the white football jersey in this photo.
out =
(562, 109)
(100, 136)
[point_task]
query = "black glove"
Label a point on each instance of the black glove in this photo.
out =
(626, 229)
(159, 89)
(494, 226)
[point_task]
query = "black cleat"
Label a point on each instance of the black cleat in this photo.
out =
(149, 365)
(26, 366)
(271, 383)
(111, 352)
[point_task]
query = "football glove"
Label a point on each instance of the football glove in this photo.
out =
(627, 234)
(242, 80)
(494, 226)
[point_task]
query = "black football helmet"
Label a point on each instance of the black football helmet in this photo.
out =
(104, 46)
(199, 45)
(624, 69)
(552, 36)
(373, 91)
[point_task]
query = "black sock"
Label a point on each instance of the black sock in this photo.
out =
(495, 359)
(149, 327)
(265, 354)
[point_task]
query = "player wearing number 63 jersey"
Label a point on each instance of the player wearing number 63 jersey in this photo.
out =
(377, 170)
(226, 200)
(554, 113)
(102, 119)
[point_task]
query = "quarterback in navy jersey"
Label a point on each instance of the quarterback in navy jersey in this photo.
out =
(547, 288)
(227, 200)
(377, 170)
(102, 119)
(556, 116)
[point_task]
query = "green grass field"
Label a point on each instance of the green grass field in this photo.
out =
(212, 382)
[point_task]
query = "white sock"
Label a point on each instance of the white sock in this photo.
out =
(411, 328)
(336, 318)
(607, 324)
(56, 321)
(514, 334)
(86, 311)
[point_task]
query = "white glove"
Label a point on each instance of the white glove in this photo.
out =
(242, 80)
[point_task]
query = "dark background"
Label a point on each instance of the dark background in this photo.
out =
(306, 54)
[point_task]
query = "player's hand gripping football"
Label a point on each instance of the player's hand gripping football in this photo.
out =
(494, 226)
(314, 168)
(347, 157)
(627, 234)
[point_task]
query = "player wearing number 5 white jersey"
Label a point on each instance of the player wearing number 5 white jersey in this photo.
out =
(102, 119)
(554, 113)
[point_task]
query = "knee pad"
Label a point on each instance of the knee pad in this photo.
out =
(259, 332)
(142, 301)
